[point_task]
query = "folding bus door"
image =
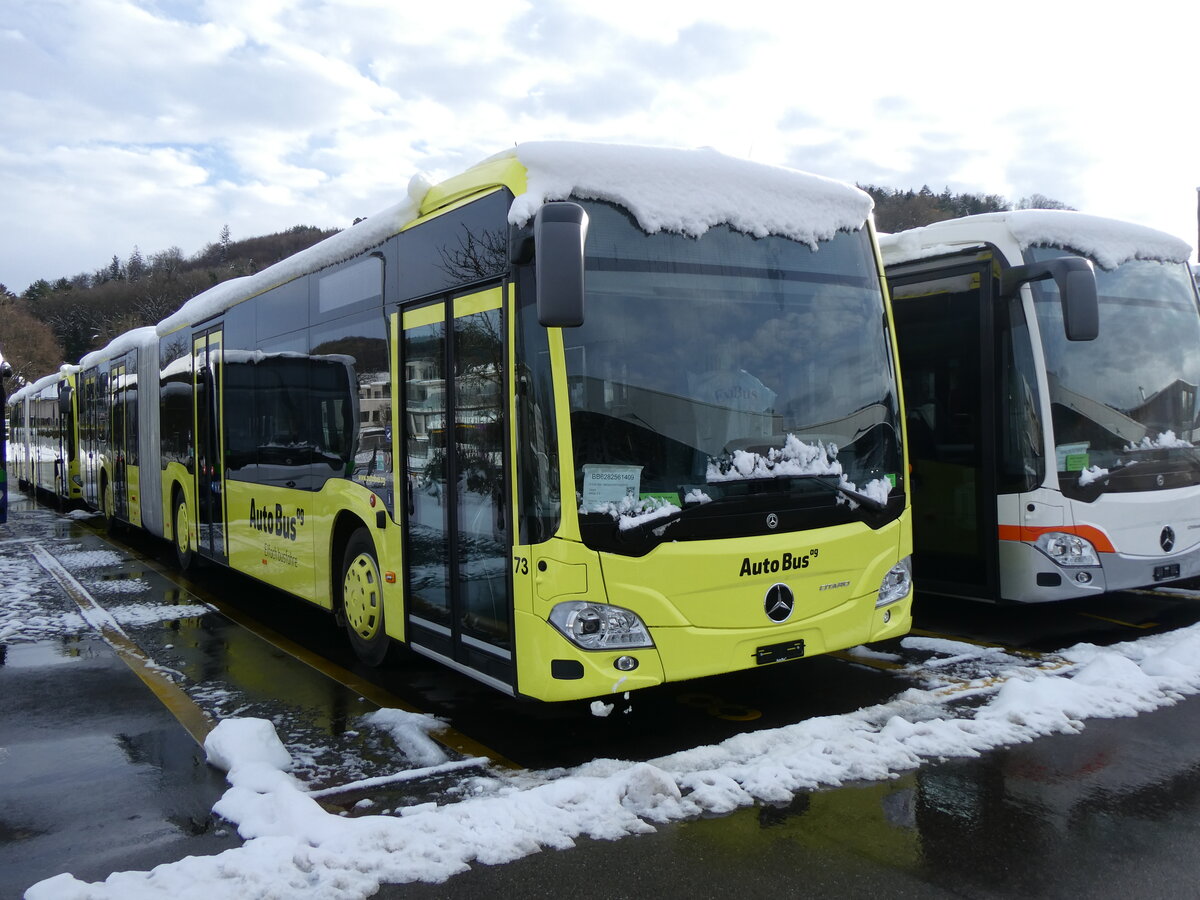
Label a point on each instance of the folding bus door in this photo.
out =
(209, 453)
(458, 538)
(944, 331)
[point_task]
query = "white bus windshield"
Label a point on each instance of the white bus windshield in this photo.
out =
(702, 362)
(1126, 402)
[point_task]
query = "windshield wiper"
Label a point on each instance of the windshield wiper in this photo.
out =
(849, 493)
(650, 525)
(838, 487)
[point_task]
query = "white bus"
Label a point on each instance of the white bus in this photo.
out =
(1051, 438)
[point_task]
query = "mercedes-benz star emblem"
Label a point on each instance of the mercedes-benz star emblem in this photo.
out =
(779, 603)
(772, 521)
(1166, 539)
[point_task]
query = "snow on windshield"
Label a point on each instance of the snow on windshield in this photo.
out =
(1165, 441)
(796, 458)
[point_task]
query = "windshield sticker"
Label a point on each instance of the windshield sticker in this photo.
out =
(1072, 457)
(604, 485)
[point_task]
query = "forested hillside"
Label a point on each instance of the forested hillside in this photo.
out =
(63, 319)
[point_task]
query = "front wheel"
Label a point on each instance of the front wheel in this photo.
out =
(361, 599)
(184, 554)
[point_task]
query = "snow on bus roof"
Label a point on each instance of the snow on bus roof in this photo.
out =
(684, 191)
(689, 191)
(122, 343)
(1109, 242)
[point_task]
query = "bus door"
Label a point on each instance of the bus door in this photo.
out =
(118, 445)
(209, 475)
(65, 428)
(458, 539)
(944, 330)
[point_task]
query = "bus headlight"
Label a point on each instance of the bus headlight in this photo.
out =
(1067, 549)
(599, 626)
(897, 583)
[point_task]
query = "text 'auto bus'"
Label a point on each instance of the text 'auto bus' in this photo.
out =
(1052, 438)
(419, 425)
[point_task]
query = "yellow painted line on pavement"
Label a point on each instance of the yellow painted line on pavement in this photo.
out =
(1119, 622)
(1015, 651)
(190, 716)
(448, 737)
(886, 665)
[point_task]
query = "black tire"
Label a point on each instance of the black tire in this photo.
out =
(106, 508)
(359, 593)
(185, 553)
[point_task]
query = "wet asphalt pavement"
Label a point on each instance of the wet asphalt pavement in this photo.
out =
(97, 775)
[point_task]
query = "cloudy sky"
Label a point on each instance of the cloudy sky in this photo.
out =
(156, 122)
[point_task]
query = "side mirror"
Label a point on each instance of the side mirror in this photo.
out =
(64, 400)
(1076, 282)
(559, 235)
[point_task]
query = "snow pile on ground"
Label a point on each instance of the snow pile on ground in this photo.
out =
(296, 848)
(29, 597)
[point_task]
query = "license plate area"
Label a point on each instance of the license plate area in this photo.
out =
(779, 652)
(1166, 573)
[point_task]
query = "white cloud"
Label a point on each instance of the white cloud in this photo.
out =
(268, 113)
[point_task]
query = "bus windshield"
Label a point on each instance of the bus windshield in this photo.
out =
(729, 367)
(1124, 406)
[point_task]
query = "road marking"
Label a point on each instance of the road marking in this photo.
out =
(1015, 651)
(181, 706)
(367, 784)
(1119, 622)
(885, 665)
(448, 737)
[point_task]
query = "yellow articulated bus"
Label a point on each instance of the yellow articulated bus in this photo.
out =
(118, 433)
(43, 450)
(581, 420)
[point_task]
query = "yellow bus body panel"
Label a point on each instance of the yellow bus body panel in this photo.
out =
(704, 604)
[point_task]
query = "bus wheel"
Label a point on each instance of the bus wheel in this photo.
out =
(361, 599)
(184, 554)
(106, 510)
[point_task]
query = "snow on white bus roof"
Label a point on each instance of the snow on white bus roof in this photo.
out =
(130, 340)
(1109, 242)
(684, 191)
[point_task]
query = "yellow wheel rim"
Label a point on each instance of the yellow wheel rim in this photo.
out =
(360, 597)
(182, 540)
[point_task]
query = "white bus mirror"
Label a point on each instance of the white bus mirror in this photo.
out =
(1076, 282)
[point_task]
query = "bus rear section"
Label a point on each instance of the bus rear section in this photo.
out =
(1049, 462)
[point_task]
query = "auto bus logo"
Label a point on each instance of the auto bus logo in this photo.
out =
(779, 603)
(772, 521)
(1166, 539)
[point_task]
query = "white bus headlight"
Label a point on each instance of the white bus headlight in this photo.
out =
(600, 626)
(1067, 549)
(897, 583)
